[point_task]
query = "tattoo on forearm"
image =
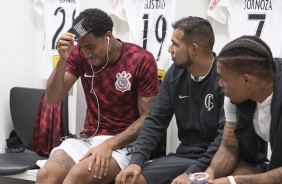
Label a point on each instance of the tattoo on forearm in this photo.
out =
(251, 179)
(229, 136)
(274, 176)
(270, 177)
(222, 163)
(131, 133)
(144, 105)
(225, 159)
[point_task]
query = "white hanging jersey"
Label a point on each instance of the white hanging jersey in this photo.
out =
(149, 25)
(251, 17)
(58, 17)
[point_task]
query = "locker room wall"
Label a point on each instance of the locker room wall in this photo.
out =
(22, 41)
(19, 52)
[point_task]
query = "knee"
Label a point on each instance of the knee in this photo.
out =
(42, 174)
(140, 180)
(49, 174)
(77, 173)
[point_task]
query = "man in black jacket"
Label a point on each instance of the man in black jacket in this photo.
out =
(189, 91)
(251, 80)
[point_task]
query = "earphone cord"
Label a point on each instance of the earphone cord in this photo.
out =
(92, 91)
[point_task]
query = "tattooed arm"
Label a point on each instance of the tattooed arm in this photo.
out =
(131, 133)
(225, 160)
(270, 177)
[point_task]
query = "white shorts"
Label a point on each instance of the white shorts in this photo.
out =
(77, 148)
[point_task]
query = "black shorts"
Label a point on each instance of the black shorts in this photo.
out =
(163, 170)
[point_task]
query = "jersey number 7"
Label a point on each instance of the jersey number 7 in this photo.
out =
(261, 19)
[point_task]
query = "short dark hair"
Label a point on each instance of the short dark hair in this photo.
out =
(196, 30)
(97, 20)
(248, 55)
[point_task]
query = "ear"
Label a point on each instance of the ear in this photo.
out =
(108, 36)
(194, 48)
(248, 80)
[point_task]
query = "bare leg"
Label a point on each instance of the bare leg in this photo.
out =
(80, 174)
(140, 180)
(56, 168)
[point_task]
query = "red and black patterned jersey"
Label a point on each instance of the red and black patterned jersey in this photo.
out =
(118, 87)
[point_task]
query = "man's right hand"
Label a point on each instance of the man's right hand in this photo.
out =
(133, 171)
(65, 45)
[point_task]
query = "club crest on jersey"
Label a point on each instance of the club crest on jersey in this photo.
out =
(123, 84)
(208, 102)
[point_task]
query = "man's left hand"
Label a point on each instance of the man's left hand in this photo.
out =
(100, 159)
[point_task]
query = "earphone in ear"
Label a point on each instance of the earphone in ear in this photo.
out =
(108, 40)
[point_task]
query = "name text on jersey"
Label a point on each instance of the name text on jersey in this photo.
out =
(154, 4)
(67, 1)
(258, 4)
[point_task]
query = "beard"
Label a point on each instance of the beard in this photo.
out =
(186, 64)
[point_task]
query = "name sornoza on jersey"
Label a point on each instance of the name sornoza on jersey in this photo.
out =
(258, 4)
(251, 17)
(249, 4)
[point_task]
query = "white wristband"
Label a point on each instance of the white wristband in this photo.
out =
(231, 179)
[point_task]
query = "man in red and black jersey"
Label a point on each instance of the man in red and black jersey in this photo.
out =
(120, 82)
